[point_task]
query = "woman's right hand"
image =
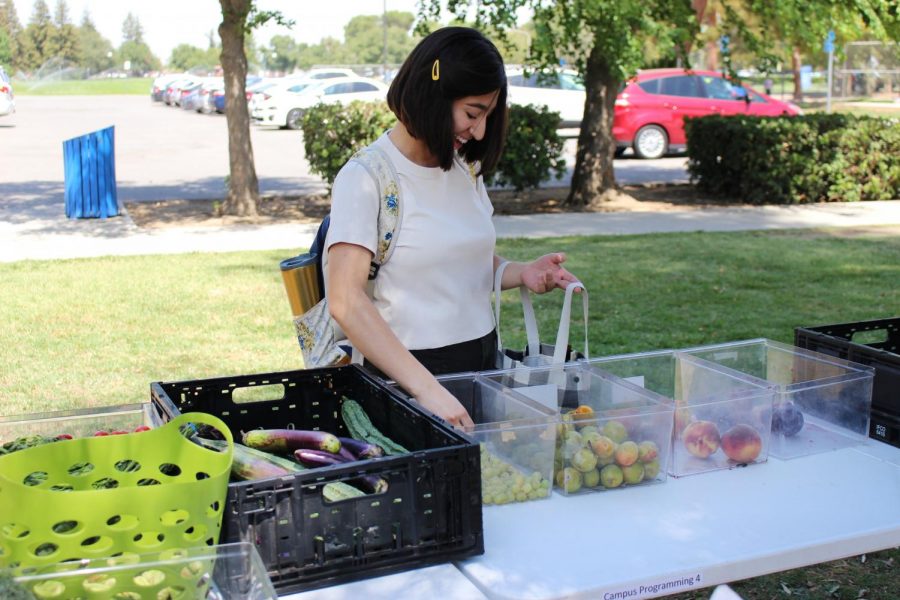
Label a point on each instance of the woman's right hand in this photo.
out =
(442, 403)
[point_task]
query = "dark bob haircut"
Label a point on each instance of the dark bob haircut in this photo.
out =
(469, 65)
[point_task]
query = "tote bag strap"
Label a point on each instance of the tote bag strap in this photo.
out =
(562, 335)
(531, 328)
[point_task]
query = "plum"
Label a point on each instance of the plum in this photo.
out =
(611, 476)
(787, 419)
(633, 474)
(584, 460)
(615, 430)
(647, 451)
(591, 478)
(626, 453)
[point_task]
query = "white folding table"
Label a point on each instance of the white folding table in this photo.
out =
(688, 533)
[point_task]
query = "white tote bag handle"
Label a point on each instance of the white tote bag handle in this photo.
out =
(531, 327)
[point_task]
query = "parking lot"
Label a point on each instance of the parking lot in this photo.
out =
(164, 152)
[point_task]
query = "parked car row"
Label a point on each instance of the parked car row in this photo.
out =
(7, 98)
(651, 106)
(277, 101)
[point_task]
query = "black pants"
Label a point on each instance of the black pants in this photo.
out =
(474, 355)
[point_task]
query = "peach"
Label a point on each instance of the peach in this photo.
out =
(651, 469)
(742, 443)
(647, 451)
(701, 438)
(626, 453)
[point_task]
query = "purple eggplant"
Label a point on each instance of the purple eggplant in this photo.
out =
(318, 458)
(288, 440)
(370, 484)
(361, 449)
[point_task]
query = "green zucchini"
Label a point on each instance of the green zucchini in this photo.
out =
(361, 428)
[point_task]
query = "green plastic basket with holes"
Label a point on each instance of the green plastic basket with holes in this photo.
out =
(95, 497)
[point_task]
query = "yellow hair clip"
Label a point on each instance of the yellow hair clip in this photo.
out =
(436, 70)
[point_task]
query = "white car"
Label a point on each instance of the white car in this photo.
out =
(561, 91)
(285, 106)
(7, 98)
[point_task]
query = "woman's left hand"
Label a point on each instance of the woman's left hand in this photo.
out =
(547, 273)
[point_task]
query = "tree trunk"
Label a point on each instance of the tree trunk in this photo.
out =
(243, 186)
(593, 176)
(795, 65)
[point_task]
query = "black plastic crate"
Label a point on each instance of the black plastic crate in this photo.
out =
(431, 512)
(875, 343)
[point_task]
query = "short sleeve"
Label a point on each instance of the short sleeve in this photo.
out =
(354, 208)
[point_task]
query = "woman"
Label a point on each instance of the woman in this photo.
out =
(430, 312)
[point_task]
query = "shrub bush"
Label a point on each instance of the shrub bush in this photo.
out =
(776, 160)
(332, 133)
(533, 149)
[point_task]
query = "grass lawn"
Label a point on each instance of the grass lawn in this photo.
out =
(87, 87)
(93, 332)
(96, 332)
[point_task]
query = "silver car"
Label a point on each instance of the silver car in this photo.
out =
(7, 98)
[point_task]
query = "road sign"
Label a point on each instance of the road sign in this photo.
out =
(828, 46)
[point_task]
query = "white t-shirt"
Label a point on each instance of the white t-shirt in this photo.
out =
(435, 290)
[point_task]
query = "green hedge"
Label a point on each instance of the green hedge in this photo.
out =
(781, 160)
(332, 133)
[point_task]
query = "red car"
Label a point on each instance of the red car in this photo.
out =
(651, 108)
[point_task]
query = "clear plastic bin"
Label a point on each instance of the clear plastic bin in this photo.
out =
(79, 423)
(611, 433)
(517, 437)
(823, 403)
(722, 418)
(206, 572)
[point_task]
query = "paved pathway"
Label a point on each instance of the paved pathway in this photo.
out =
(165, 152)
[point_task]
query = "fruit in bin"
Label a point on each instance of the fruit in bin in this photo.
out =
(565, 425)
(502, 483)
(611, 476)
(701, 438)
(572, 444)
(606, 460)
(742, 443)
(591, 478)
(647, 451)
(140, 428)
(787, 419)
(603, 447)
(651, 470)
(589, 437)
(569, 479)
(615, 430)
(626, 453)
(633, 474)
(582, 413)
(584, 460)
(589, 430)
